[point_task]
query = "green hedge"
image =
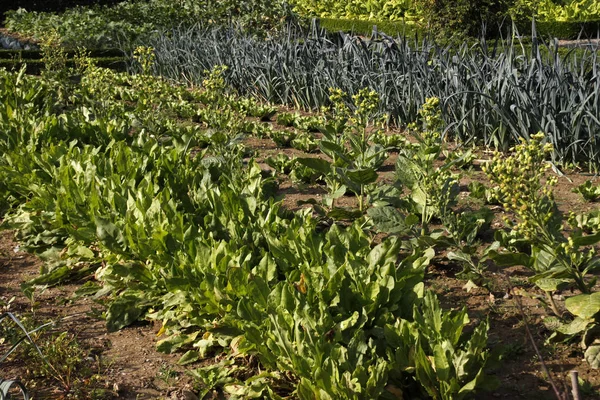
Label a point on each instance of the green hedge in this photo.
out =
(362, 27)
(563, 30)
(37, 54)
(35, 66)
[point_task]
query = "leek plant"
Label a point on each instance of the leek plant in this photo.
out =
(493, 93)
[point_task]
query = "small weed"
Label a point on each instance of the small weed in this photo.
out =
(512, 350)
(167, 374)
(59, 360)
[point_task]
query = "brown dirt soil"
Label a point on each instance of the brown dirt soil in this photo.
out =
(133, 369)
(130, 368)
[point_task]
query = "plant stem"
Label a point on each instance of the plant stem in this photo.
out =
(559, 396)
(552, 304)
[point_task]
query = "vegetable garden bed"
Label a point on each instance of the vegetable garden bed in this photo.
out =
(186, 208)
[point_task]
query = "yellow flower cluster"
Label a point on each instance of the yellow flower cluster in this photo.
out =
(145, 57)
(521, 186)
(214, 84)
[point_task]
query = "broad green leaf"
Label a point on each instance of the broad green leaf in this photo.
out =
(388, 219)
(362, 176)
(350, 322)
(175, 342)
(550, 284)
(442, 355)
(189, 357)
(576, 326)
(338, 213)
(318, 164)
(587, 240)
(459, 256)
(510, 259)
(584, 306)
(125, 310)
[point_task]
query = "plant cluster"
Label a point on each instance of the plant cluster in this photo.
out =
(433, 195)
(347, 142)
(395, 10)
(146, 186)
(553, 10)
(537, 240)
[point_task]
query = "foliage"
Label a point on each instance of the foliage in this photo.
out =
(394, 10)
(146, 187)
(492, 94)
(433, 189)
(108, 26)
(353, 167)
(463, 17)
(588, 191)
(433, 194)
(560, 11)
(556, 259)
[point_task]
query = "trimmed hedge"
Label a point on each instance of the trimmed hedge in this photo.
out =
(35, 66)
(37, 54)
(361, 27)
(32, 59)
(568, 30)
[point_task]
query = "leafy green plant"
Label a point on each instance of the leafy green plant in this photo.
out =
(354, 167)
(588, 191)
(448, 365)
(393, 141)
(480, 191)
(433, 189)
(250, 107)
(305, 142)
(281, 163)
(586, 222)
(54, 56)
(283, 139)
(286, 119)
(145, 57)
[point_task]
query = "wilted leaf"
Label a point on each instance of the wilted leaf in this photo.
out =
(584, 305)
(592, 356)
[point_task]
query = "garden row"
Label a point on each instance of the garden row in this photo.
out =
(178, 225)
(492, 93)
(148, 187)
